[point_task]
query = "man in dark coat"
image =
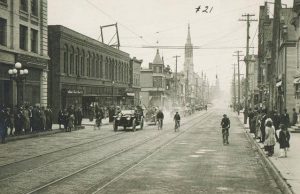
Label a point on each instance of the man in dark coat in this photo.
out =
(295, 117)
(285, 119)
(263, 127)
(250, 116)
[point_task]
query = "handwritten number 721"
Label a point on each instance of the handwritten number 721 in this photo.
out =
(206, 9)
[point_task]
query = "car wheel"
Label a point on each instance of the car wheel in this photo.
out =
(115, 126)
(134, 125)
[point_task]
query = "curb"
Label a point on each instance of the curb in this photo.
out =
(38, 134)
(279, 179)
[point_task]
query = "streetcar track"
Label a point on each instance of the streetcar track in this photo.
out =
(64, 149)
(144, 158)
(110, 156)
(56, 160)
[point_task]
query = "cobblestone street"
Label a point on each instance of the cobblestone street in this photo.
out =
(192, 160)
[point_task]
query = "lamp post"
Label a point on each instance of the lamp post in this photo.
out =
(19, 75)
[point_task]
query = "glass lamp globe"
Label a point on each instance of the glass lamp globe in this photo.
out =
(18, 65)
(15, 71)
(10, 72)
(25, 71)
(22, 72)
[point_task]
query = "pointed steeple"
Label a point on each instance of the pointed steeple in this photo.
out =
(157, 58)
(189, 40)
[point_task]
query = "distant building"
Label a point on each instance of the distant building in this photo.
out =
(24, 39)
(135, 81)
(153, 83)
(85, 72)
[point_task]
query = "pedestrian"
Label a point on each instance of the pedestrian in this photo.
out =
(42, 119)
(262, 126)
(295, 117)
(60, 118)
(3, 123)
(250, 116)
(270, 138)
(11, 120)
(284, 141)
(71, 119)
(65, 119)
(48, 114)
(285, 119)
(18, 121)
(160, 119)
(98, 117)
(80, 116)
(26, 118)
(177, 121)
(225, 124)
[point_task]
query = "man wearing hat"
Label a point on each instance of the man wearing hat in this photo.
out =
(225, 124)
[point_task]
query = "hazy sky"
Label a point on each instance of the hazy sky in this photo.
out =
(146, 22)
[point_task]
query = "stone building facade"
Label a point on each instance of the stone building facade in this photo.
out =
(24, 39)
(85, 72)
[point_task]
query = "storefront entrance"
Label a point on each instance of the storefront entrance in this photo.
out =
(5, 92)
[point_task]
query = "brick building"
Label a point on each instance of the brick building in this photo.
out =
(24, 39)
(85, 72)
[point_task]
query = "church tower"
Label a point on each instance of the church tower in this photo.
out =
(188, 58)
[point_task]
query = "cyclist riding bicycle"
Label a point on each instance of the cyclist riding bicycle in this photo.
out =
(177, 120)
(225, 124)
(160, 118)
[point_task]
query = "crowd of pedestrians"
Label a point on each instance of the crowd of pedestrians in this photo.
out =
(271, 127)
(24, 119)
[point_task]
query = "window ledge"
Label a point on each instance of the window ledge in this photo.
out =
(3, 4)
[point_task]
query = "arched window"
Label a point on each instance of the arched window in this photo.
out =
(93, 65)
(82, 63)
(77, 53)
(88, 71)
(101, 66)
(120, 71)
(65, 49)
(110, 69)
(72, 60)
(106, 68)
(97, 66)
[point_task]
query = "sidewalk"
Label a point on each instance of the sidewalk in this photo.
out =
(287, 169)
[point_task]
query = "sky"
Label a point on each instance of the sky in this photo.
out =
(143, 23)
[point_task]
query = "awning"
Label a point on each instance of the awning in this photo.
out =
(297, 80)
(278, 84)
(130, 94)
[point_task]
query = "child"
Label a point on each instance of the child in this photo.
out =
(284, 141)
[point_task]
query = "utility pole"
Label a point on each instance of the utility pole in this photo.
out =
(234, 88)
(238, 55)
(176, 77)
(248, 20)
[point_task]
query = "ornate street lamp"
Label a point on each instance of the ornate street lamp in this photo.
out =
(19, 75)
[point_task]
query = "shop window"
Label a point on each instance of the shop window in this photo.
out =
(24, 5)
(34, 7)
(34, 40)
(23, 37)
(93, 74)
(2, 32)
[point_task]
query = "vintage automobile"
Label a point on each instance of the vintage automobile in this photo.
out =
(128, 118)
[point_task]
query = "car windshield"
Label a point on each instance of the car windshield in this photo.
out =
(127, 112)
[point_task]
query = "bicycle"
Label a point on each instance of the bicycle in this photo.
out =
(159, 124)
(177, 124)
